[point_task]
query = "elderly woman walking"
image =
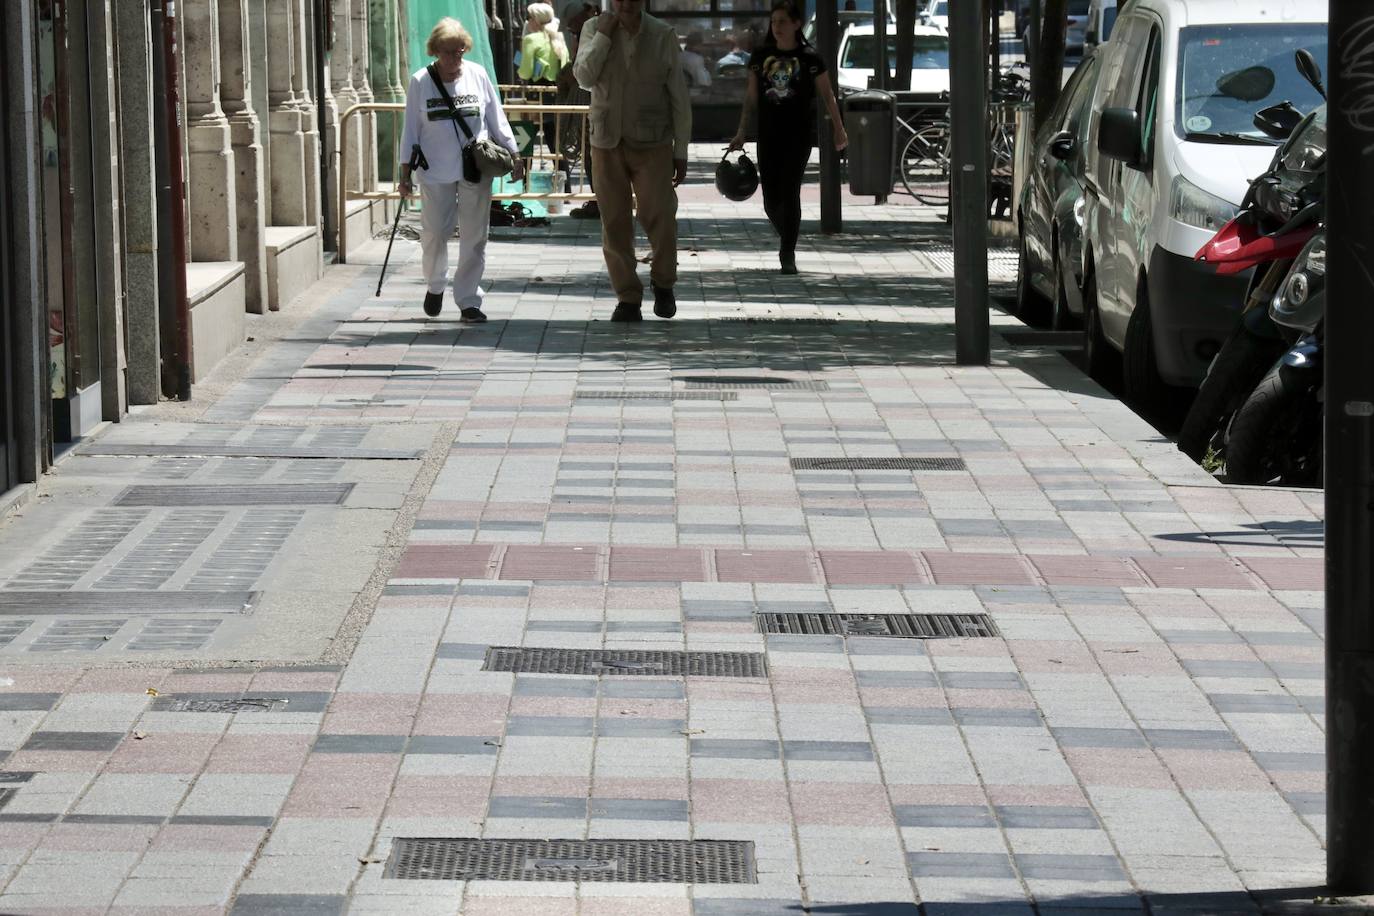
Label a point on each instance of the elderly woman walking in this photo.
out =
(447, 106)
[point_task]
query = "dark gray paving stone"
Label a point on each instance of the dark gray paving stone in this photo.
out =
(642, 689)
(899, 680)
(537, 806)
(1293, 671)
(1311, 804)
(1047, 817)
(1099, 737)
(494, 591)
(550, 726)
(719, 610)
(878, 645)
(32, 818)
(453, 744)
(1277, 761)
(724, 906)
(903, 715)
(943, 816)
(1201, 637)
(788, 642)
(1283, 638)
(1062, 867)
(982, 680)
(360, 744)
(976, 717)
(469, 650)
(827, 750)
(736, 748)
(563, 626)
(960, 865)
(418, 591)
(114, 819)
(73, 741)
(288, 905)
(28, 702)
(223, 820)
(640, 809)
(533, 685)
(876, 908)
(1192, 739)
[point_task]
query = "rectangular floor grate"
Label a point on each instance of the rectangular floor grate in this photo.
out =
(14, 602)
(216, 704)
(621, 662)
(922, 463)
(910, 626)
(657, 395)
(621, 861)
(731, 382)
(203, 450)
(267, 494)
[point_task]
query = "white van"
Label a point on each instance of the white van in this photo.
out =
(1176, 147)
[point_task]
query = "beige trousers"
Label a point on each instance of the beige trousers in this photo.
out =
(625, 175)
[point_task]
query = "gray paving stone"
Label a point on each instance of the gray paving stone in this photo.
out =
(739, 748)
(539, 686)
(453, 744)
(288, 905)
(537, 806)
(900, 680)
(359, 744)
(607, 727)
(641, 688)
(1047, 817)
(827, 750)
(982, 680)
(959, 865)
(73, 741)
(1255, 703)
(462, 650)
(973, 717)
(551, 726)
(1192, 739)
(725, 906)
(28, 702)
(1065, 867)
(900, 715)
(1281, 761)
(962, 816)
(637, 809)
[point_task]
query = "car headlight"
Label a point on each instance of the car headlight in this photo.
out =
(1195, 207)
(1306, 151)
(1080, 209)
(1301, 301)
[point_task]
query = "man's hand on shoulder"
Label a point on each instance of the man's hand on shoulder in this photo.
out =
(606, 23)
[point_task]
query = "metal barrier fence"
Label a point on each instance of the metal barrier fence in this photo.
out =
(531, 120)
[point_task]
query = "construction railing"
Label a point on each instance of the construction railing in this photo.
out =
(554, 165)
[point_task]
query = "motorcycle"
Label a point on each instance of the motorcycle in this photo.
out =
(1278, 217)
(1276, 435)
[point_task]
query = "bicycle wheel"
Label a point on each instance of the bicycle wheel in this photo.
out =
(925, 165)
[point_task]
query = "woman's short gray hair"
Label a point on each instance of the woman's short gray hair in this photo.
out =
(446, 33)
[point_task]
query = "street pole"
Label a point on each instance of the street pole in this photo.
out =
(968, 192)
(881, 74)
(828, 40)
(1350, 455)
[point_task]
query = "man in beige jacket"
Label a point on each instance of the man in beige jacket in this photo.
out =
(641, 120)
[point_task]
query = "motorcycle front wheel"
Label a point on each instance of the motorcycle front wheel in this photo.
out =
(1239, 366)
(1276, 435)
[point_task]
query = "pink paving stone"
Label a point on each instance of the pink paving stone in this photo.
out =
(629, 787)
(162, 911)
(438, 796)
(698, 627)
(310, 681)
(920, 697)
(639, 906)
(740, 801)
(966, 648)
(98, 837)
(543, 561)
(658, 564)
(1127, 768)
(462, 714)
(445, 561)
(555, 786)
(1289, 572)
(907, 794)
(1057, 656)
(207, 838)
(1297, 781)
(347, 785)
(1129, 658)
(1193, 572)
(978, 569)
(1214, 769)
(163, 752)
(727, 689)
(1223, 652)
(121, 680)
(474, 905)
(371, 714)
(871, 567)
(453, 508)
(552, 597)
(1036, 795)
(209, 682)
(617, 708)
(989, 699)
(764, 566)
(553, 706)
(276, 754)
(1072, 570)
(840, 804)
(43, 680)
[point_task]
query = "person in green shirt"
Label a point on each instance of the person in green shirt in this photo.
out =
(543, 55)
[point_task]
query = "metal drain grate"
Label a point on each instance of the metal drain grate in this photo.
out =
(745, 319)
(207, 704)
(124, 602)
(923, 463)
(911, 626)
(1054, 340)
(728, 382)
(621, 861)
(657, 396)
(267, 494)
(204, 450)
(620, 662)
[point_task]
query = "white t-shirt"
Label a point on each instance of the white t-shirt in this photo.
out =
(428, 122)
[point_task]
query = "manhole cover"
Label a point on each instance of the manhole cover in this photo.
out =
(911, 626)
(622, 861)
(13, 602)
(922, 463)
(726, 382)
(657, 396)
(612, 662)
(203, 450)
(204, 704)
(266, 494)
(1055, 340)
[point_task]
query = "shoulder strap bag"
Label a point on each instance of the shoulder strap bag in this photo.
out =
(481, 158)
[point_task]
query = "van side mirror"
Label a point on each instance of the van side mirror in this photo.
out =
(1118, 136)
(1278, 121)
(1063, 145)
(1307, 66)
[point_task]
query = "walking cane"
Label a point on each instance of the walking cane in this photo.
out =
(417, 161)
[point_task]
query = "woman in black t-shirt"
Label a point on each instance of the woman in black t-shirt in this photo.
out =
(785, 75)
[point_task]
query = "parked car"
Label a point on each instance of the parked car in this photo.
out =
(936, 13)
(1050, 212)
(1176, 147)
(1098, 27)
(849, 18)
(929, 60)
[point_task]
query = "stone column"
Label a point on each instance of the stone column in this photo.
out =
(363, 85)
(210, 187)
(341, 77)
(285, 117)
(236, 97)
(301, 78)
(388, 81)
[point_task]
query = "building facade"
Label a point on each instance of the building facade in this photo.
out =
(169, 169)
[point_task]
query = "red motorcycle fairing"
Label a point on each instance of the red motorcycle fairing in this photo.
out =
(1239, 245)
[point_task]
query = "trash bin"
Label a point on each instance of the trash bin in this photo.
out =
(870, 119)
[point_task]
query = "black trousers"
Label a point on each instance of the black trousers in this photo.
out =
(782, 163)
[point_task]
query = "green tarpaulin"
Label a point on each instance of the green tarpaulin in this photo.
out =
(424, 13)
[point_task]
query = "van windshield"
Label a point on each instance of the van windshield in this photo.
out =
(1226, 73)
(928, 52)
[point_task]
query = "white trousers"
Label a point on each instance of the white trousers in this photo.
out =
(469, 205)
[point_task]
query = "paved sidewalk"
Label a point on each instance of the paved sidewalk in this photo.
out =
(250, 644)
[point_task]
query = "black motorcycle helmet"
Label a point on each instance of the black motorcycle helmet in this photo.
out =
(737, 180)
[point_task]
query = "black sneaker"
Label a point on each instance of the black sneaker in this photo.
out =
(789, 264)
(434, 304)
(624, 311)
(473, 315)
(665, 303)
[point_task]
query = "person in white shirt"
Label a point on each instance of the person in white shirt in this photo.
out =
(446, 194)
(694, 64)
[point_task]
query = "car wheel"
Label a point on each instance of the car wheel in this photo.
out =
(1031, 307)
(1139, 370)
(1098, 356)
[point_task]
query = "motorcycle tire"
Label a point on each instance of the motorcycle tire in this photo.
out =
(1276, 435)
(1239, 366)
